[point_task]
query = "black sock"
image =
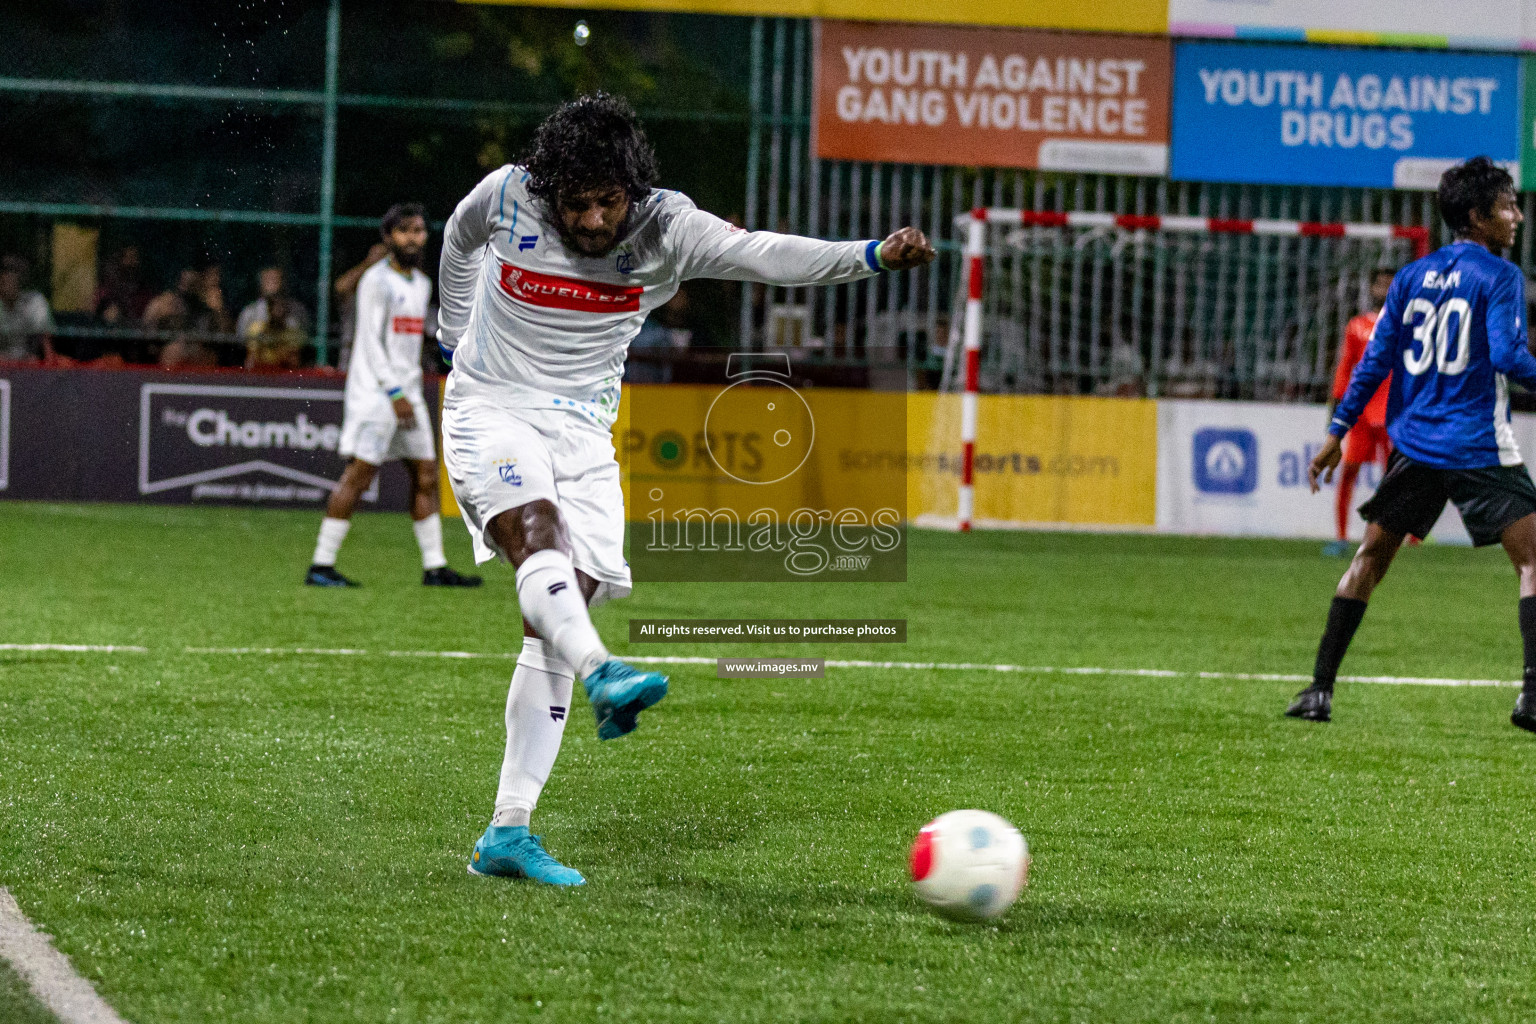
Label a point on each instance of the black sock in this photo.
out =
(1528, 635)
(1344, 616)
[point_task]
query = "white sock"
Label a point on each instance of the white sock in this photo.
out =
(429, 537)
(537, 705)
(332, 533)
(550, 599)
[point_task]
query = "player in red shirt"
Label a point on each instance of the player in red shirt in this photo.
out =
(1367, 441)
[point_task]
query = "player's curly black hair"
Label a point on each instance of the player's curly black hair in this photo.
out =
(1474, 185)
(399, 213)
(589, 143)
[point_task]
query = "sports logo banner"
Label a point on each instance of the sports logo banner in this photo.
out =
(1040, 460)
(1237, 469)
(754, 479)
(1304, 115)
(926, 94)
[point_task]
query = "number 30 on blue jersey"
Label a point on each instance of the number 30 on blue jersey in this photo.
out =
(1432, 335)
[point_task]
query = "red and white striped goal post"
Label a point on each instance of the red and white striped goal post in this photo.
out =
(975, 243)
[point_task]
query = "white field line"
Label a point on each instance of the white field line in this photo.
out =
(1159, 673)
(89, 648)
(47, 971)
(352, 651)
(914, 666)
(919, 666)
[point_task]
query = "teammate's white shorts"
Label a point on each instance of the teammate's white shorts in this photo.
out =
(375, 438)
(499, 458)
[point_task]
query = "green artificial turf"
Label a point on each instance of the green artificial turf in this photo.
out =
(282, 838)
(17, 1006)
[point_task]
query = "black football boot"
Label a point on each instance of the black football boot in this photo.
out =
(446, 577)
(1313, 704)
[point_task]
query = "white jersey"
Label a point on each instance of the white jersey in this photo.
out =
(386, 345)
(532, 324)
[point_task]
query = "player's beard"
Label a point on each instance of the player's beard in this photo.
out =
(573, 239)
(410, 259)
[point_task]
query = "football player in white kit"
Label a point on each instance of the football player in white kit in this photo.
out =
(548, 272)
(385, 413)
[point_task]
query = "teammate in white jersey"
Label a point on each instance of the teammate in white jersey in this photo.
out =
(548, 272)
(385, 413)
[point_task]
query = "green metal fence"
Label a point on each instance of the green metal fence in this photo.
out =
(898, 330)
(326, 103)
(1068, 311)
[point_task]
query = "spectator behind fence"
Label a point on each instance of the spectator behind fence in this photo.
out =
(272, 283)
(119, 304)
(123, 295)
(276, 341)
(346, 291)
(192, 311)
(26, 323)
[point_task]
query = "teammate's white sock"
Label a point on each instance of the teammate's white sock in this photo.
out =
(332, 533)
(550, 599)
(429, 537)
(537, 705)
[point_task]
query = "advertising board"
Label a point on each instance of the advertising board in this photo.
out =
(1307, 115)
(928, 94)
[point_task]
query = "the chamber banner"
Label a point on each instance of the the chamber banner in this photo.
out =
(220, 438)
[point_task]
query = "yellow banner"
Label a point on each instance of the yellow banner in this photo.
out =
(1100, 16)
(1040, 460)
(761, 445)
(445, 496)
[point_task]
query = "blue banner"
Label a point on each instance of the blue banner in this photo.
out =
(1307, 115)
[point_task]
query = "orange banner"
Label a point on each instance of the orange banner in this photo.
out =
(928, 94)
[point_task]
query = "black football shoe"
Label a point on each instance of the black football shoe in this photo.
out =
(326, 576)
(446, 577)
(1312, 704)
(1525, 712)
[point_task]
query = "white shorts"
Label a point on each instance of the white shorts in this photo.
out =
(499, 459)
(375, 440)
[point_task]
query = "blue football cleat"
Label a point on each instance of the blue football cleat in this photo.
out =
(618, 693)
(326, 576)
(511, 852)
(1336, 549)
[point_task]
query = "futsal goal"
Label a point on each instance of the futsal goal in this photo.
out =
(1156, 306)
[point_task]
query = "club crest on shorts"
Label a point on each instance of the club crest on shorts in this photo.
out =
(507, 470)
(556, 713)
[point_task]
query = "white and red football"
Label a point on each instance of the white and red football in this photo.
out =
(969, 865)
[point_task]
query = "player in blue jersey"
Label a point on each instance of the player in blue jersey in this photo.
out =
(1452, 332)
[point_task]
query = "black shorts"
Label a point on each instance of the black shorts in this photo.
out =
(1412, 496)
